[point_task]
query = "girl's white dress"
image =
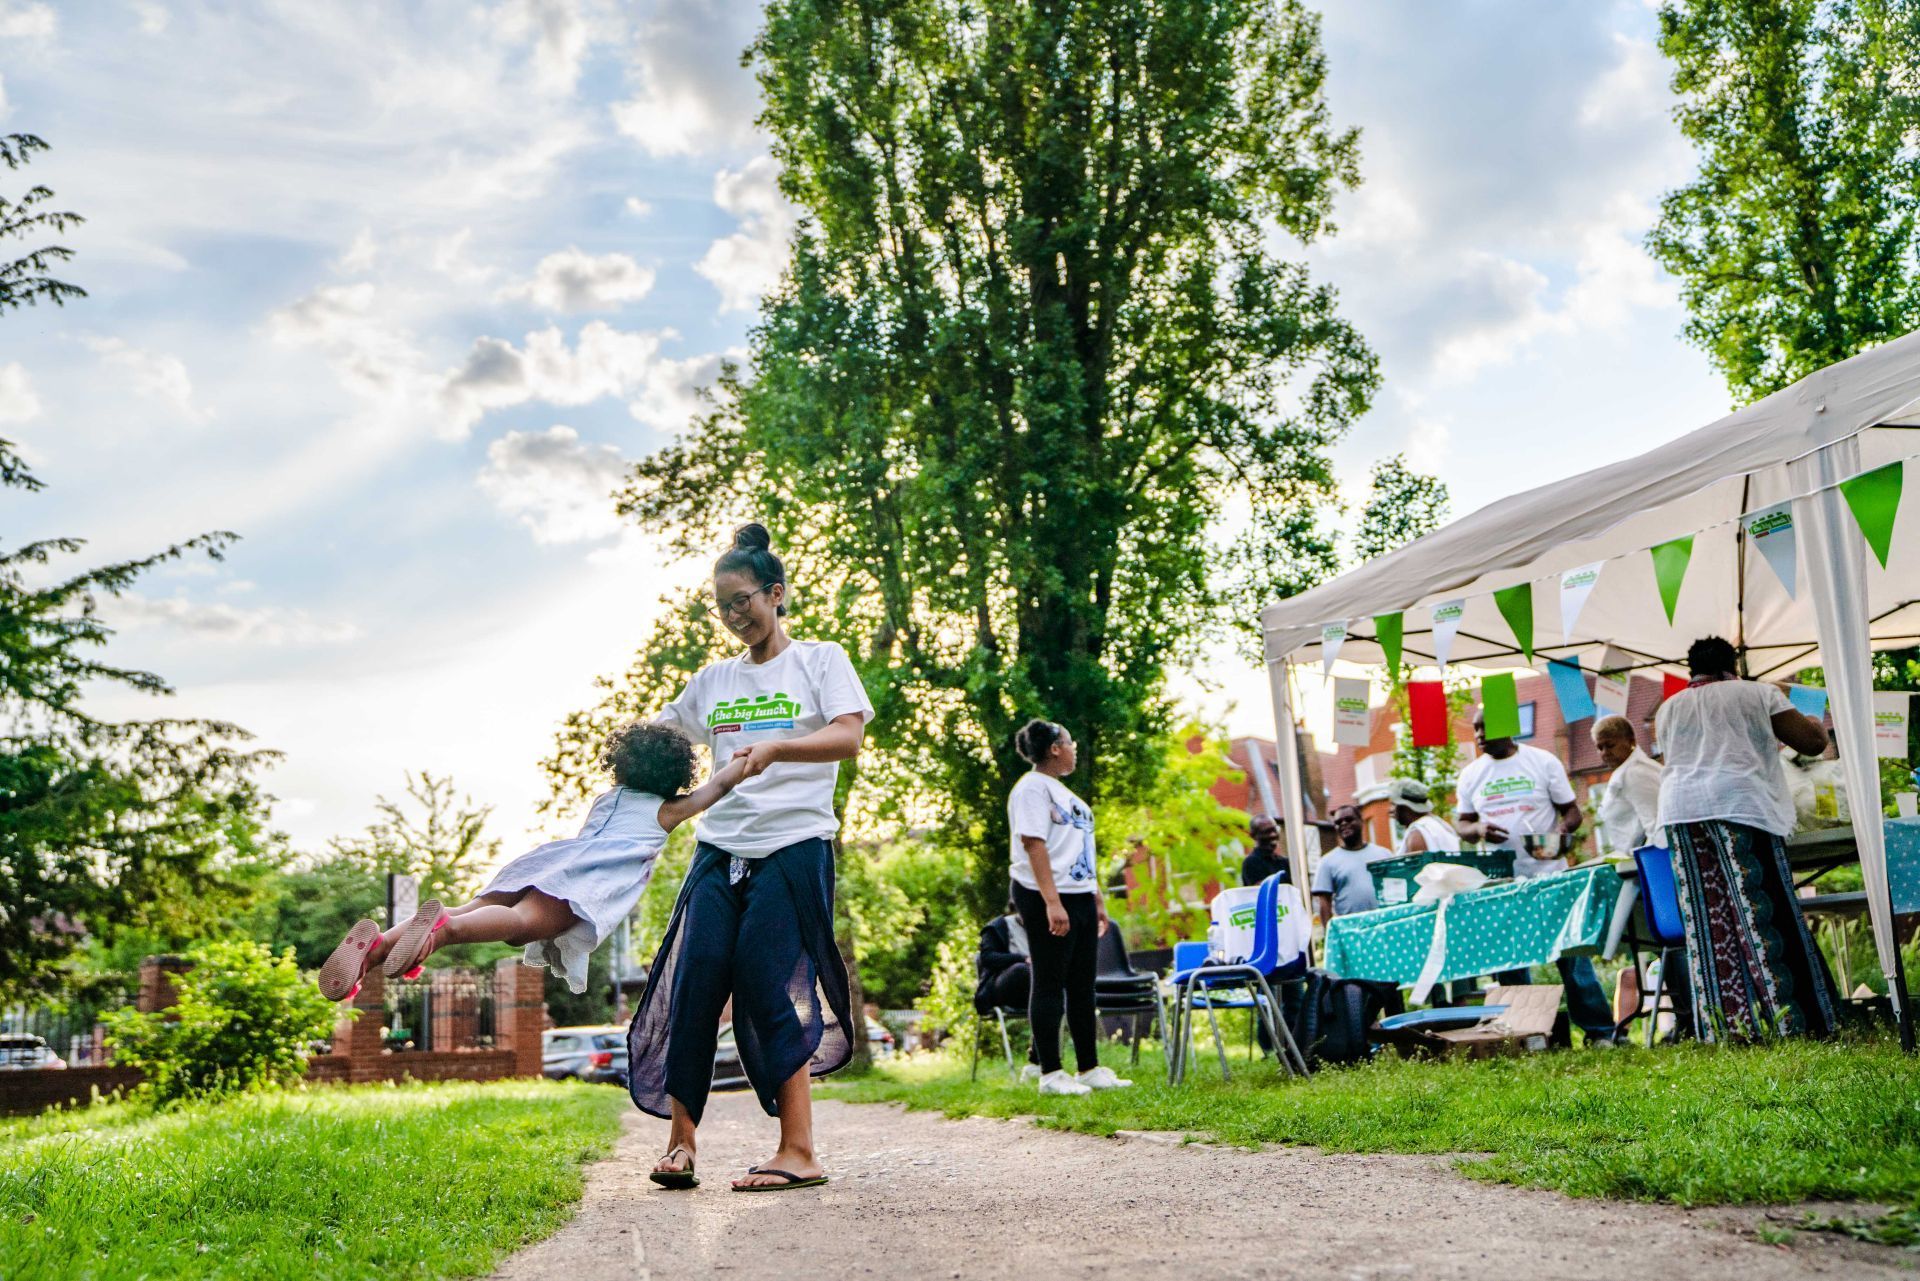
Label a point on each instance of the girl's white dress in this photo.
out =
(600, 873)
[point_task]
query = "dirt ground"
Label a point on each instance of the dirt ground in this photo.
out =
(917, 1196)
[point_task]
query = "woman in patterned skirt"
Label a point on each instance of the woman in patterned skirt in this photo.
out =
(1755, 969)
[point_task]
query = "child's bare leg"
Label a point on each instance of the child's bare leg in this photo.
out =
(379, 950)
(534, 917)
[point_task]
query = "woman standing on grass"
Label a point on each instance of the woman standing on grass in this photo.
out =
(1754, 968)
(754, 922)
(1056, 891)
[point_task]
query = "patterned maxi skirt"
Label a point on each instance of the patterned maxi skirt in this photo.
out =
(1755, 968)
(759, 933)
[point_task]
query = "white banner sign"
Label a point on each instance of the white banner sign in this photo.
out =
(1890, 708)
(1446, 622)
(1771, 532)
(1332, 637)
(1575, 586)
(1350, 711)
(1613, 683)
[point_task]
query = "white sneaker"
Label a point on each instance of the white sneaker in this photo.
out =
(1102, 1078)
(1031, 1072)
(1058, 1082)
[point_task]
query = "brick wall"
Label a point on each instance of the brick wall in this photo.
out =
(36, 1091)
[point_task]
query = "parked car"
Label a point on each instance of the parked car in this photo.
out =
(597, 1054)
(879, 1039)
(727, 1072)
(21, 1051)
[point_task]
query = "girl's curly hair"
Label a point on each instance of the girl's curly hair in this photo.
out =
(656, 759)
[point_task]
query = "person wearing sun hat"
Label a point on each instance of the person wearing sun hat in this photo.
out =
(1413, 810)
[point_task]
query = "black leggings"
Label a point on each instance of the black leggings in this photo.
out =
(1063, 969)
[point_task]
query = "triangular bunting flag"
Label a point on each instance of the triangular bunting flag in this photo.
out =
(1427, 713)
(1390, 631)
(1332, 637)
(1808, 700)
(1500, 706)
(1874, 499)
(1772, 533)
(1671, 685)
(1575, 586)
(1570, 687)
(1516, 606)
(1669, 569)
(1613, 684)
(1446, 625)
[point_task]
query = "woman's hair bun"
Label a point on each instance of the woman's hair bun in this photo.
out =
(752, 536)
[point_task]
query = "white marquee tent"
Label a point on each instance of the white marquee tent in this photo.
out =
(1793, 448)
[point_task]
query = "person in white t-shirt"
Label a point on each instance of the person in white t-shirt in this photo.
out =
(1422, 832)
(1754, 968)
(1511, 792)
(1056, 891)
(754, 921)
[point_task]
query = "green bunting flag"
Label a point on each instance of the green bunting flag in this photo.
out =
(1874, 499)
(1389, 630)
(1516, 606)
(1500, 705)
(1669, 568)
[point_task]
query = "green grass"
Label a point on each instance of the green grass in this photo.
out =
(1690, 1125)
(377, 1181)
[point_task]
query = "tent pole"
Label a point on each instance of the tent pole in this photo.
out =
(1286, 750)
(1835, 553)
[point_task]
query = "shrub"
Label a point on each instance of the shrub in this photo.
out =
(245, 1020)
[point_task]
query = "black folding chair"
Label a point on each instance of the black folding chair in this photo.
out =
(1120, 990)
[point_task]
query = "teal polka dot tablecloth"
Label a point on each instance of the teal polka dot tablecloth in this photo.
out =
(1501, 927)
(1903, 863)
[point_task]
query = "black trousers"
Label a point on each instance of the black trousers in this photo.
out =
(1010, 989)
(1063, 970)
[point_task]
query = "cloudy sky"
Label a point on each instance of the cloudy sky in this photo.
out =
(394, 290)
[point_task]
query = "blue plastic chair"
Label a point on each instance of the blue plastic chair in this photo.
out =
(1199, 982)
(1660, 901)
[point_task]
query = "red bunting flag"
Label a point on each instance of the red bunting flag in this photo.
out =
(1671, 685)
(1427, 713)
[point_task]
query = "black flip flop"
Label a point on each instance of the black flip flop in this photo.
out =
(792, 1181)
(676, 1179)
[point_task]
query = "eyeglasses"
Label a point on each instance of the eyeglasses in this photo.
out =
(738, 604)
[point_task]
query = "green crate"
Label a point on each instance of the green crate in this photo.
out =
(1398, 873)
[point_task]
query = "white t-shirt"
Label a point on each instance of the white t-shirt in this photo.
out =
(1040, 805)
(1630, 811)
(734, 704)
(1438, 834)
(1518, 794)
(1722, 759)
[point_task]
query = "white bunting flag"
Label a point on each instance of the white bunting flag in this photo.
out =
(1771, 532)
(1446, 622)
(1332, 637)
(1613, 683)
(1890, 724)
(1350, 711)
(1575, 586)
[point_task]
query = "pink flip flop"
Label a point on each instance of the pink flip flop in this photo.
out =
(415, 941)
(340, 975)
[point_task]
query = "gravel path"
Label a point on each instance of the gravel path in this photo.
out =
(917, 1196)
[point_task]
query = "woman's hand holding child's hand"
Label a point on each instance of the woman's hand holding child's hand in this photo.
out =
(755, 759)
(732, 773)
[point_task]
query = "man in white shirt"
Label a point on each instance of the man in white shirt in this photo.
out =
(1630, 812)
(1422, 833)
(1510, 792)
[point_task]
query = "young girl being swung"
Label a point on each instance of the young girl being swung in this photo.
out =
(561, 900)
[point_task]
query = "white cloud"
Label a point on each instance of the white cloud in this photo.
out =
(603, 361)
(747, 264)
(449, 258)
(555, 484)
(571, 280)
(149, 374)
(371, 354)
(360, 254)
(560, 35)
(637, 208)
(3, 98)
(220, 622)
(27, 21)
(152, 15)
(17, 400)
(692, 96)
